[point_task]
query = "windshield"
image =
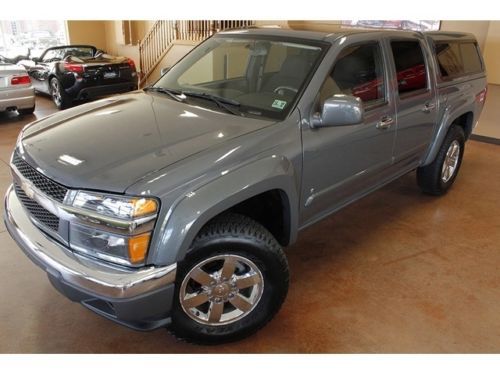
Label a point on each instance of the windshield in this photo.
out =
(261, 77)
(56, 54)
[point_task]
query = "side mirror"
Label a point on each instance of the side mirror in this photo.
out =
(339, 110)
(164, 70)
(36, 60)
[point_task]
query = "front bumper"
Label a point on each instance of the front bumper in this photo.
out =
(141, 299)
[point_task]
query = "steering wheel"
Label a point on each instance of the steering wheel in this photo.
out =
(279, 89)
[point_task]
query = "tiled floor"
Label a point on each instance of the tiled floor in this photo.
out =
(398, 271)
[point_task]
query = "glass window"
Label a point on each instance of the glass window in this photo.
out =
(259, 77)
(457, 58)
(17, 37)
(470, 57)
(410, 66)
(61, 53)
(53, 55)
(358, 71)
(275, 59)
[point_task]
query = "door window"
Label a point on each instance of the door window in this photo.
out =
(457, 59)
(359, 72)
(410, 66)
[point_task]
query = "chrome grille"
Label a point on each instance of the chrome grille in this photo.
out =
(43, 216)
(42, 183)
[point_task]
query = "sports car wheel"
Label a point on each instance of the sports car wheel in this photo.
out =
(59, 97)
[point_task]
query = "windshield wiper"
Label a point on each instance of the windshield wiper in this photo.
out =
(219, 100)
(175, 94)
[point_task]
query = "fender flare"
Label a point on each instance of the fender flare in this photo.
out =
(450, 114)
(190, 212)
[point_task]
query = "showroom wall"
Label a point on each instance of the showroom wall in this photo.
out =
(492, 53)
(478, 28)
(87, 32)
(107, 35)
(113, 45)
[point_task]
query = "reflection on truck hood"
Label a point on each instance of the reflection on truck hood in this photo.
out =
(111, 143)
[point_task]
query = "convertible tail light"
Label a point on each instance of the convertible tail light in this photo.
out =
(20, 80)
(75, 68)
(131, 63)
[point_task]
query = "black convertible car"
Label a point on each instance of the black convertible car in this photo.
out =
(79, 72)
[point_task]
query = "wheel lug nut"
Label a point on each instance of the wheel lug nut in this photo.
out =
(231, 295)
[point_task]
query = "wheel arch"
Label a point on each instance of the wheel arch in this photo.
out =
(463, 117)
(272, 176)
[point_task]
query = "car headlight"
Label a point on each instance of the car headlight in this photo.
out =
(114, 205)
(111, 227)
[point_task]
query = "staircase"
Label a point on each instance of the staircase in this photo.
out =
(156, 44)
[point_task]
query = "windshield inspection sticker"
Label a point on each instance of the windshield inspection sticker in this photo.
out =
(280, 104)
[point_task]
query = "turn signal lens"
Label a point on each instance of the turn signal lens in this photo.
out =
(143, 207)
(138, 247)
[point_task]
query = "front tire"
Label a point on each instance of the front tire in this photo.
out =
(59, 96)
(232, 282)
(437, 177)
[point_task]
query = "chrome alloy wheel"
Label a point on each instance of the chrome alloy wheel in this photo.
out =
(221, 289)
(56, 92)
(450, 161)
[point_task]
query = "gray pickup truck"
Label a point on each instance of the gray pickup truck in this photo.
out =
(170, 206)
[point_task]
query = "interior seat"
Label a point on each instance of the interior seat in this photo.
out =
(291, 74)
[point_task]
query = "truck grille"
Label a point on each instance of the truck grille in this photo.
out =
(38, 212)
(44, 184)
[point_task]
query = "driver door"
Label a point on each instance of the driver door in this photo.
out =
(342, 163)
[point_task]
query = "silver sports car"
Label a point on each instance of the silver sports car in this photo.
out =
(16, 90)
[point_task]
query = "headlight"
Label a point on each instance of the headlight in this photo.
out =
(115, 205)
(111, 227)
(126, 250)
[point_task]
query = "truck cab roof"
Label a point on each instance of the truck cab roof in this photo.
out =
(335, 33)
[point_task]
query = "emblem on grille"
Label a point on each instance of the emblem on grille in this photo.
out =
(28, 189)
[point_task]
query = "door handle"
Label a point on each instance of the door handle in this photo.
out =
(385, 123)
(428, 107)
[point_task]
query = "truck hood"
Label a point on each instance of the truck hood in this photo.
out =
(111, 143)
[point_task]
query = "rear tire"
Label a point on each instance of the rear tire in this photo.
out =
(59, 96)
(234, 261)
(437, 177)
(26, 111)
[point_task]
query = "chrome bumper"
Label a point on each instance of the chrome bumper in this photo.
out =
(88, 275)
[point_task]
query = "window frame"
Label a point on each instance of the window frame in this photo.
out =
(411, 94)
(457, 76)
(374, 104)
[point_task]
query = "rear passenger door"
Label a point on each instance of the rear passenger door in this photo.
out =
(415, 98)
